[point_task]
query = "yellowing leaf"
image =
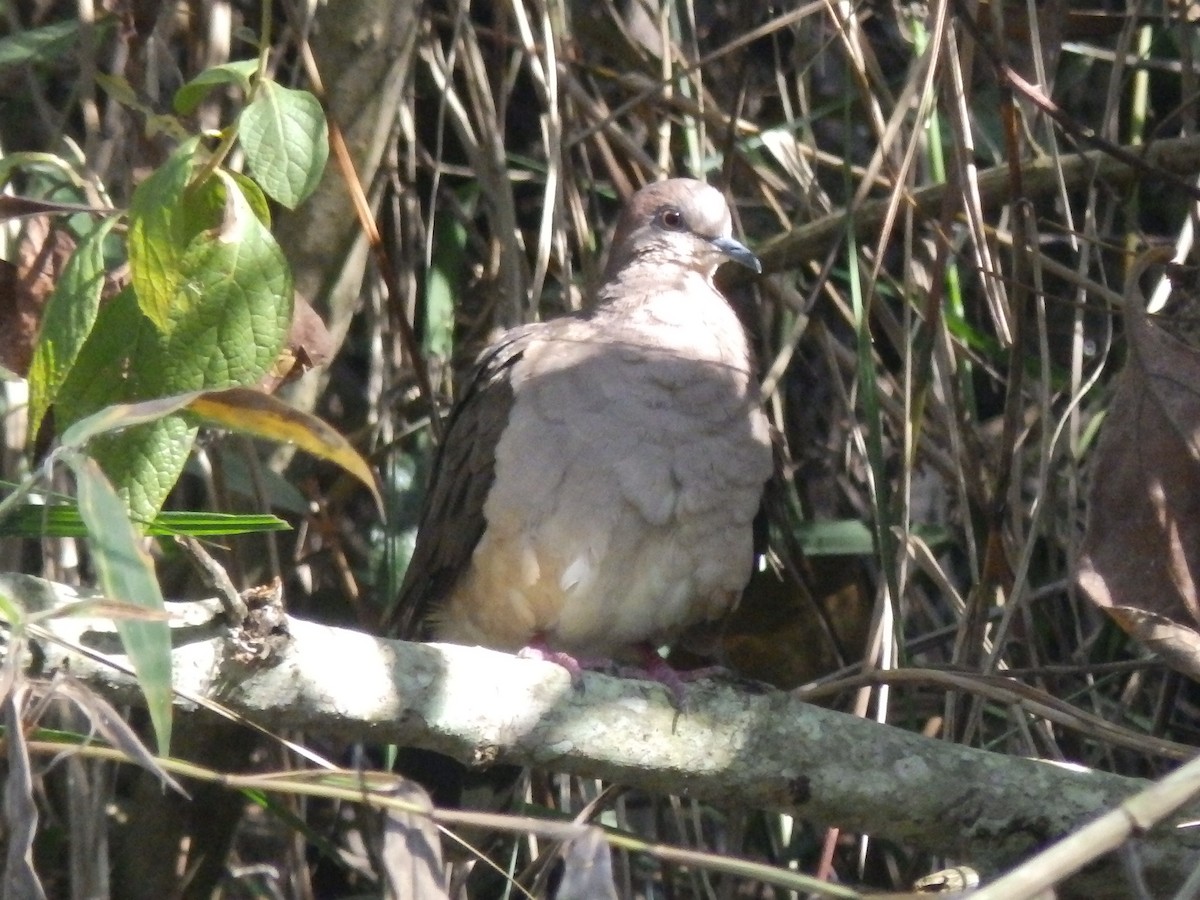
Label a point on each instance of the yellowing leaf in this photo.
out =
(265, 416)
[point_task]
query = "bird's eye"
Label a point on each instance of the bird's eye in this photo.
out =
(671, 218)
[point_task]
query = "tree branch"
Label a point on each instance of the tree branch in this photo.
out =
(1174, 157)
(730, 747)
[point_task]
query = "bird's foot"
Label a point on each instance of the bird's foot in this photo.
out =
(575, 666)
(655, 668)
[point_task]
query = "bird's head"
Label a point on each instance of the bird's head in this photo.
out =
(678, 223)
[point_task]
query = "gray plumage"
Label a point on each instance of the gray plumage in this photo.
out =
(600, 474)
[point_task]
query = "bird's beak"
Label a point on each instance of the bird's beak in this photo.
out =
(738, 252)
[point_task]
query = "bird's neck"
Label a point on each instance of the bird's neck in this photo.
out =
(648, 283)
(672, 307)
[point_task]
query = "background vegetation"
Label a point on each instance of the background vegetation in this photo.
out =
(953, 204)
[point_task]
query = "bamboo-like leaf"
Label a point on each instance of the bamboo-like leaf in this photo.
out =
(63, 520)
(126, 573)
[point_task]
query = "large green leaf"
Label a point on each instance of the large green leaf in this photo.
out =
(115, 365)
(227, 322)
(67, 321)
(145, 462)
(104, 370)
(286, 139)
(161, 228)
(220, 323)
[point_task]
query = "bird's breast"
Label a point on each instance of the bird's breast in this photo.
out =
(626, 481)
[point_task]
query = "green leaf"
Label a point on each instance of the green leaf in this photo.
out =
(179, 231)
(124, 93)
(42, 45)
(286, 140)
(127, 573)
(444, 285)
(120, 416)
(67, 321)
(842, 537)
(11, 613)
(222, 319)
(103, 370)
(145, 462)
(63, 520)
(851, 537)
(188, 97)
(227, 322)
(44, 162)
(118, 88)
(254, 196)
(210, 524)
(117, 364)
(161, 227)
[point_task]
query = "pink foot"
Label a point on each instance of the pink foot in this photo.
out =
(655, 668)
(538, 649)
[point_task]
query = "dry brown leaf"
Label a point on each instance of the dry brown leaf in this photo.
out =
(309, 344)
(15, 353)
(787, 634)
(412, 849)
(1178, 644)
(20, 809)
(587, 868)
(25, 287)
(1141, 550)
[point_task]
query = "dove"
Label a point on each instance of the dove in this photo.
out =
(595, 491)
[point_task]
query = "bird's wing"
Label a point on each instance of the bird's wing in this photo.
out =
(452, 514)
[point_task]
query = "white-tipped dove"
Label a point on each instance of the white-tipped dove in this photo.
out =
(596, 488)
